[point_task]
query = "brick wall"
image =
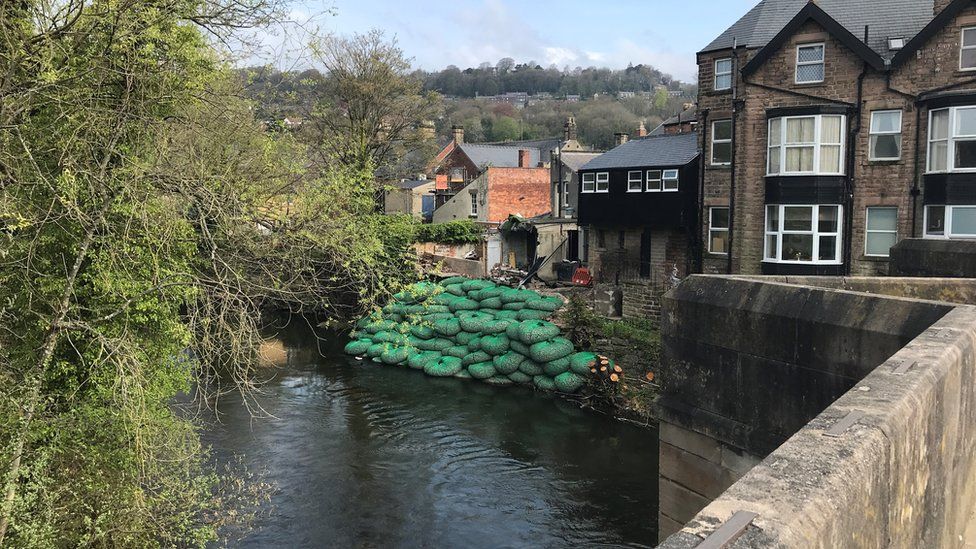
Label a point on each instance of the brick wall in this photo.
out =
(523, 191)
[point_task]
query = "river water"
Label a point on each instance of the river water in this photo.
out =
(366, 455)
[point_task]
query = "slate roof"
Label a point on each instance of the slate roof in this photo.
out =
(576, 160)
(886, 19)
(499, 156)
(683, 117)
(413, 184)
(662, 150)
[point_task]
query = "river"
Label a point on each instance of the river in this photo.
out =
(366, 455)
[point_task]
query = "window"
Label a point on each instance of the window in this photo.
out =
(566, 194)
(654, 181)
(670, 180)
(721, 143)
(474, 205)
(603, 182)
(967, 49)
(718, 231)
(952, 140)
(950, 221)
(588, 182)
(635, 183)
(807, 145)
(881, 231)
(810, 64)
(803, 234)
(457, 175)
(723, 74)
(885, 135)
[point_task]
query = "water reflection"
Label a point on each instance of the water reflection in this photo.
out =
(366, 455)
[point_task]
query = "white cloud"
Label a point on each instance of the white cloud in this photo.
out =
(560, 56)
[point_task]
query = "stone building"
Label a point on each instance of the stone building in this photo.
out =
(414, 197)
(832, 130)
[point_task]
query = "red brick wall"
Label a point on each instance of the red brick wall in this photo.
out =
(523, 191)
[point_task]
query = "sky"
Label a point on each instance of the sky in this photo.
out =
(465, 33)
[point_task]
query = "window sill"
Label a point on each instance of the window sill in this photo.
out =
(717, 93)
(804, 263)
(875, 258)
(884, 162)
(809, 84)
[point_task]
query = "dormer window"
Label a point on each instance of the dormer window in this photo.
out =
(952, 140)
(810, 64)
(967, 53)
(723, 74)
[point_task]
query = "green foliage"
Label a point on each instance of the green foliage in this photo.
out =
(462, 231)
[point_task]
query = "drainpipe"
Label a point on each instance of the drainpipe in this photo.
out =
(852, 166)
(735, 111)
(917, 169)
(701, 198)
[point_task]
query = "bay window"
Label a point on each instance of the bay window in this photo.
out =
(950, 222)
(806, 145)
(952, 140)
(803, 234)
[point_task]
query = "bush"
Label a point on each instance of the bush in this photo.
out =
(462, 231)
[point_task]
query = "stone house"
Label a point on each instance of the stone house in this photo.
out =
(832, 130)
(414, 197)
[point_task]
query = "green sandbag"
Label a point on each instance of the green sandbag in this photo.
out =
(518, 347)
(395, 317)
(434, 317)
(415, 310)
(491, 302)
(417, 361)
(550, 304)
(392, 308)
(514, 306)
(443, 299)
(376, 349)
(482, 370)
(463, 304)
(569, 382)
(477, 284)
(380, 326)
(363, 322)
(580, 363)
(449, 327)
(437, 308)
(462, 374)
(422, 331)
(530, 367)
(492, 312)
(464, 338)
(504, 315)
(475, 344)
(495, 291)
(389, 337)
(532, 314)
(414, 341)
(447, 366)
(518, 296)
(498, 326)
(457, 351)
(436, 344)
(396, 355)
(473, 321)
(556, 367)
(531, 332)
(499, 381)
(508, 362)
(453, 280)
(360, 334)
(548, 351)
(455, 289)
(475, 357)
(495, 344)
(512, 331)
(520, 378)
(358, 347)
(544, 383)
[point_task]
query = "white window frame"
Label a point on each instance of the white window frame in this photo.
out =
(474, 205)
(815, 233)
(963, 47)
(822, 62)
(817, 145)
(658, 178)
(713, 229)
(602, 179)
(947, 233)
(588, 179)
(635, 177)
(669, 176)
(874, 132)
(950, 141)
(565, 193)
(721, 141)
(868, 231)
(728, 73)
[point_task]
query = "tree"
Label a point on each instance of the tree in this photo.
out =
(372, 111)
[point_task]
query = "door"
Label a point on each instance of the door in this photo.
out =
(572, 246)
(645, 254)
(494, 251)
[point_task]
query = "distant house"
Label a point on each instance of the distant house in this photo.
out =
(684, 122)
(414, 197)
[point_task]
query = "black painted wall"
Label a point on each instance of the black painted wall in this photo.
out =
(656, 210)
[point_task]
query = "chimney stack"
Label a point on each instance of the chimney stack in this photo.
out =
(458, 133)
(641, 130)
(525, 158)
(569, 129)
(620, 138)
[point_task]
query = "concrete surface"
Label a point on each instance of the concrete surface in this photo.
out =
(933, 257)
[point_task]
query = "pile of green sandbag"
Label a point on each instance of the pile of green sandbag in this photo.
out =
(473, 328)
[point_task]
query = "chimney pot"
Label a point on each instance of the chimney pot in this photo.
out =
(621, 138)
(525, 158)
(641, 130)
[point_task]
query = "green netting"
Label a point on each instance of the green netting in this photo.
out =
(550, 304)
(464, 338)
(530, 367)
(520, 378)
(518, 296)
(455, 289)
(380, 326)
(532, 314)
(415, 310)
(544, 383)
(422, 331)
(376, 349)
(508, 362)
(490, 302)
(447, 366)
(414, 341)
(475, 357)
(449, 327)
(547, 351)
(518, 347)
(362, 323)
(388, 337)
(475, 344)
(535, 331)
(474, 321)
(495, 344)
(580, 363)
(434, 317)
(514, 306)
(489, 293)
(463, 304)
(435, 308)
(358, 347)
(569, 382)
(396, 355)
(453, 280)
(499, 381)
(504, 315)
(443, 299)
(397, 308)
(436, 344)
(497, 326)
(457, 351)
(556, 367)
(482, 370)
(477, 284)
(512, 331)
(462, 374)
(417, 361)
(492, 312)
